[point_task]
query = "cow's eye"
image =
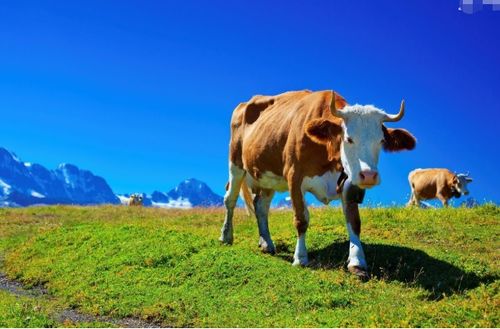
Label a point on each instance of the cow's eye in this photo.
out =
(349, 140)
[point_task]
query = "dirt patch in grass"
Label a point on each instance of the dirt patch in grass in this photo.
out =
(70, 316)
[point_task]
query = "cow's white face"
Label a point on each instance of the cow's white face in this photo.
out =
(363, 139)
(363, 136)
(461, 184)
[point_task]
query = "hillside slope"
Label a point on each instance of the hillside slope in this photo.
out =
(436, 267)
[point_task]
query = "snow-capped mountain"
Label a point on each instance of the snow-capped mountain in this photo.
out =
(189, 193)
(197, 192)
(24, 183)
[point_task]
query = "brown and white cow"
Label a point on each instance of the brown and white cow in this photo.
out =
(304, 141)
(135, 200)
(438, 183)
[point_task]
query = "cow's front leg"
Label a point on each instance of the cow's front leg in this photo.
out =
(301, 222)
(443, 199)
(357, 261)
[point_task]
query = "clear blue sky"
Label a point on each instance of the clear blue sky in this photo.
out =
(141, 92)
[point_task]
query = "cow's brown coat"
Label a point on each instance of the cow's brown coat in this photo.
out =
(433, 183)
(294, 135)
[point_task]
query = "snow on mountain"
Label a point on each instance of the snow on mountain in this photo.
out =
(178, 204)
(5, 188)
(188, 194)
(123, 199)
(197, 192)
(26, 183)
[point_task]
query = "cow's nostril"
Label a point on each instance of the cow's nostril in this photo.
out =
(375, 175)
(361, 175)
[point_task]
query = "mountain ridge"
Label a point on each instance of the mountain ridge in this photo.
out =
(27, 183)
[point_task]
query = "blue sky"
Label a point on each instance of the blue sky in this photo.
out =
(141, 92)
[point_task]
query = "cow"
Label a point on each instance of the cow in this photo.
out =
(438, 183)
(135, 200)
(305, 141)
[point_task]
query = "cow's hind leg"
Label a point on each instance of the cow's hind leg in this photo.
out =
(412, 201)
(262, 202)
(413, 197)
(236, 176)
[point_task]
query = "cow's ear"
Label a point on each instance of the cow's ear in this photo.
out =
(322, 131)
(328, 133)
(398, 140)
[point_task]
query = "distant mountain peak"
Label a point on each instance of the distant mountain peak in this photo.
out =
(187, 194)
(197, 192)
(26, 183)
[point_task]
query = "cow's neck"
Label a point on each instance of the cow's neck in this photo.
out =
(325, 187)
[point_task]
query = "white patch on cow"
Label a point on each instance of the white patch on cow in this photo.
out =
(300, 256)
(236, 175)
(362, 125)
(356, 253)
(462, 186)
(270, 181)
(323, 187)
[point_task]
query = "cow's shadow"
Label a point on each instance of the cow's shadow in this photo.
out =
(396, 263)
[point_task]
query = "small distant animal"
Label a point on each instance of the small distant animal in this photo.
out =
(437, 183)
(135, 200)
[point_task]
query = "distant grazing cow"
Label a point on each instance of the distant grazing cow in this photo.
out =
(438, 183)
(305, 141)
(135, 200)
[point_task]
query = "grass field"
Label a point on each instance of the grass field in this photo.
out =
(434, 267)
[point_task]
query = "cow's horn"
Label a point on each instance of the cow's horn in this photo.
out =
(396, 117)
(333, 107)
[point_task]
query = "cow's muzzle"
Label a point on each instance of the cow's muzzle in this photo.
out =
(368, 178)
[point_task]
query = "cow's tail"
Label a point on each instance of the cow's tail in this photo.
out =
(246, 195)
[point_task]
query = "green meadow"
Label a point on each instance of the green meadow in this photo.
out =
(429, 267)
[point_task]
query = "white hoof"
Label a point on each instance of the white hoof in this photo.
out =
(266, 247)
(226, 237)
(304, 261)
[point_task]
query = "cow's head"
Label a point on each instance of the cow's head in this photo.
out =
(460, 182)
(363, 136)
(136, 198)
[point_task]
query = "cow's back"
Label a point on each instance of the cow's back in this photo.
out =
(268, 133)
(427, 182)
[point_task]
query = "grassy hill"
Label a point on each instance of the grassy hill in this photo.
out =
(434, 267)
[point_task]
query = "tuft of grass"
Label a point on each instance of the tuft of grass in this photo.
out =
(21, 312)
(434, 267)
(31, 312)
